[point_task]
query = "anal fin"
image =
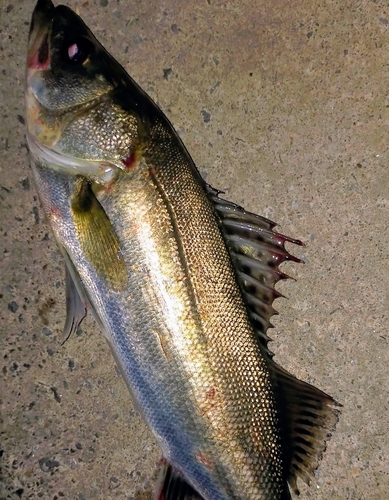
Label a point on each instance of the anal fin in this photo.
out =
(171, 485)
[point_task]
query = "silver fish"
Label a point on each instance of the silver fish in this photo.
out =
(180, 281)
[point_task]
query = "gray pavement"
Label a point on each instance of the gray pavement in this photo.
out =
(284, 105)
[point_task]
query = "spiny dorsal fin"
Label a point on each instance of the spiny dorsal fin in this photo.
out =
(308, 417)
(257, 252)
(171, 485)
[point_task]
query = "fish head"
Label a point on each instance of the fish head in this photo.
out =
(75, 117)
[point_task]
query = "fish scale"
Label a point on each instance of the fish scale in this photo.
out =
(180, 281)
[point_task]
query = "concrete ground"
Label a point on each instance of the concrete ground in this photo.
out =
(284, 105)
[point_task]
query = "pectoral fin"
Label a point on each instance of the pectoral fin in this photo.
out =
(97, 236)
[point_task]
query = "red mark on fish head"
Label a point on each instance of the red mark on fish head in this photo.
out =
(130, 161)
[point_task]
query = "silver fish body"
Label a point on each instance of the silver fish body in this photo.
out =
(180, 282)
(161, 341)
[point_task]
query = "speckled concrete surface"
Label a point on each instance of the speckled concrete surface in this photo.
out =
(284, 105)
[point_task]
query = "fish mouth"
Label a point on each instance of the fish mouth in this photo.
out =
(38, 57)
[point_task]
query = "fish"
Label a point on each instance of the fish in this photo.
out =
(180, 281)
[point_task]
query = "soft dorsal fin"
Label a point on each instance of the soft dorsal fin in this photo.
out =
(307, 418)
(257, 252)
(171, 485)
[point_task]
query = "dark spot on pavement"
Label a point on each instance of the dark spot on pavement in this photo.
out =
(13, 306)
(35, 211)
(47, 464)
(46, 331)
(25, 183)
(206, 116)
(57, 396)
(166, 73)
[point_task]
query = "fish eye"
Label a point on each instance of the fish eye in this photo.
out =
(78, 50)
